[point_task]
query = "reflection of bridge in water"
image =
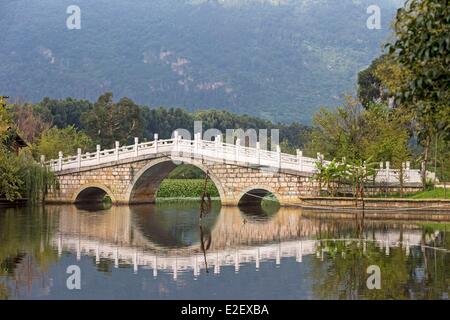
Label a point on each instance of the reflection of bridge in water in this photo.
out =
(144, 237)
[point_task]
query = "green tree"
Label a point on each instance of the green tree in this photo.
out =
(67, 140)
(422, 49)
(370, 87)
(22, 177)
(65, 112)
(358, 133)
(164, 121)
(5, 117)
(107, 122)
(338, 133)
(31, 120)
(422, 45)
(387, 136)
(10, 180)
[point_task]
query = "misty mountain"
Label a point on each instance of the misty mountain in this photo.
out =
(279, 59)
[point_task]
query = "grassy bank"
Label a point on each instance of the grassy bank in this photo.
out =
(185, 188)
(438, 193)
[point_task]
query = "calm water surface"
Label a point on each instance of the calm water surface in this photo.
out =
(165, 252)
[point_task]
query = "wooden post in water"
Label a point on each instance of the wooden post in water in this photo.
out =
(205, 206)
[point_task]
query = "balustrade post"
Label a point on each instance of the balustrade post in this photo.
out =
(402, 172)
(175, 140)
(60, 156)
(155, 138)
(179, 144)
(218, 143)
(388, 171)
(196, 144)
(408, 171)
(221, 148)
(278, 156)
(379, 172)
(79, 158)
(98, 153)
(136, 146)
(117, 150)
(236, 150)
(258, 152)
(300, 159)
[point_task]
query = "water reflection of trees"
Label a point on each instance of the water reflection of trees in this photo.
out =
(25, 252)
(417, 272)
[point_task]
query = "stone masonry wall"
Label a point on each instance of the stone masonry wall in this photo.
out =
(119, 181)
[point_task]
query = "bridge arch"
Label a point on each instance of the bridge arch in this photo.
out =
(252, 196)
(147, 180)
(93, 192)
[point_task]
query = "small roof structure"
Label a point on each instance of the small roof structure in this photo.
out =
(15, 141)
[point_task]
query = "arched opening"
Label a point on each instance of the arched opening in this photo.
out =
(92, 195)
(187, 182)
(94, 206)
(184, 180)
(258, 205)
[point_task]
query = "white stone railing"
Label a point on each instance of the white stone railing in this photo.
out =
(221, 152)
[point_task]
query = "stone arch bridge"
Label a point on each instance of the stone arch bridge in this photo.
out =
(243, 175)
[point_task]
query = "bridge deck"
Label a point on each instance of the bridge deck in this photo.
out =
(223, 153)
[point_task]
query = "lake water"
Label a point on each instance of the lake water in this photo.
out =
(165, 251)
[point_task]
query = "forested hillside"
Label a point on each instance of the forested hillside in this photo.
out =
(108, 120)
(278, 60)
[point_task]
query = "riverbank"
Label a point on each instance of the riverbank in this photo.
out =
(392, 204)
(16, 203)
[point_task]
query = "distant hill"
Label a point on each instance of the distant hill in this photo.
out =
(280, 60)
